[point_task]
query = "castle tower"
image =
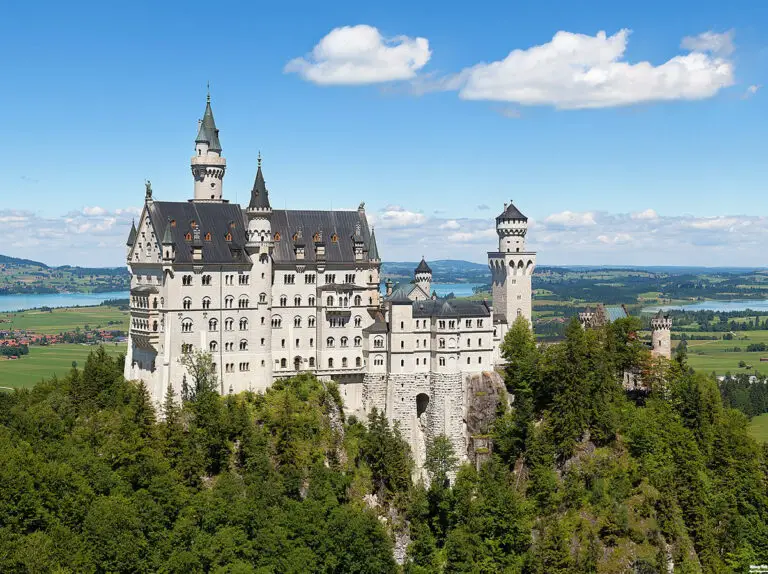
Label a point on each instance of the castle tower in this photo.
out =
(208, 166)
(423, 276)
(511, 268)
(661, 335)
(259, 248)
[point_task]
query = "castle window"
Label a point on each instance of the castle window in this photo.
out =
(297, 321)
(228, 236)
(243, 324)
(479, 360)
(187, 303)
(451, 324)
(277, 322)
(442, 361)
(358, 321)
(334, 238)
(378, 360)
(441, 344)
(468, 323)
(441, 324)
(402, 362)
(329, 342)
(213, 324)
(479, 322)
(418, 343)
(154, 326)
(277, 236)
(283, 300)
(243, 345)
(229, 323)
(206, 303)
(330, 363)
(402, 344)
(212, 346)
(329, 301)
(467, 360)
(297, 301)
(479, 342)
(402, 324)
(378, 343)
(311, 301)
(309, 278)
(186, 280)
(343, 341)
(311, 342)
(262, 297)
(206, 280)
(243, 279)
(242, 302)
(188, 236)
(186, 326)
(173, 223)
(311, 321)
(343, 362)
(282, 343)
(358, 341)
(358, 362)
(186, 348)
(519, 312)
(154, 303)
(312, 362)
(262, 341)
(316, 237)
(193, 224)
(208, 236)
(469, 343)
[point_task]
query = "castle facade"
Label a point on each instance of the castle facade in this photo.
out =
(272, 293)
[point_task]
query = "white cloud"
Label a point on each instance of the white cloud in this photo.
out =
(96, 210)
(720, 44)
(396, 216)
(719, 222)
(450, 224)
(750, 91)
(579, 71)
(571, 219)
(647, 214)
(361, 55)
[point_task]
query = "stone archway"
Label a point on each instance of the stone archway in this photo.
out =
(297, 363)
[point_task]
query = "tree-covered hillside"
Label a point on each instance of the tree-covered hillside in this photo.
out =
(583, 478)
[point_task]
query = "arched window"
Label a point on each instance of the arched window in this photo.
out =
(329, 342)
(329, 301)
(311, 301)
(264, 258)
(212, 324)
(206, 302)
(187, 303)
(378, 360)
(311, 321)
(334, 238)
(228, 236)
(378, 342)
(154, 326)
(358, 321)
(277, 321)
(186, 326)
(343, 362)
(297, 301)
(330, 363)
(208, 236)
(212, 346)
(229, 323)
(358, 362)
(283, 363)
(242, 303)
(188, 236)
(442, 361)
(262, 297)
(243, 345)
(277, 236)
(441, 343)
(228, 301)
(358, 300)
(519, 312)
(467, 360)
(343, 341)
(297, 321)
(312, 362)
(358, 341)
(243, 324)
(154, 303)
(283, 300)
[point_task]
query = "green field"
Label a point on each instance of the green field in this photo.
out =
(709, 356)
(66, 319)
(42, 362)
(758, 428)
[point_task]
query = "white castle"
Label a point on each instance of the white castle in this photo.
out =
(272, 293)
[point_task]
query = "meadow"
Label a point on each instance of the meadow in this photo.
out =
(717, 356)
(758, 428)
(44, 362)
(66, 319)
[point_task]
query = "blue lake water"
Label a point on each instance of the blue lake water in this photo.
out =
(735, 305)
(20, 302)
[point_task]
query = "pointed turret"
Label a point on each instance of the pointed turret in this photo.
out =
(207, 133)
(373, 249)
(132, 235)
(167, 235)
(423, 267)
(168, 245)
(423, 276)
(259, 193)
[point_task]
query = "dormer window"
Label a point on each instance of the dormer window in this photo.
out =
(316, 237)
(334, 238)
(208, 236)
(228, 236)
(277, 236)
(193, 224)
(173, 223)
(188, 236)
(295, 236)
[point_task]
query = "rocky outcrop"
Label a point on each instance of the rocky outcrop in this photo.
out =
(484, 393)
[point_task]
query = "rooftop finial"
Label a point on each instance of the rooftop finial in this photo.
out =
(259, 158)
(208, 97)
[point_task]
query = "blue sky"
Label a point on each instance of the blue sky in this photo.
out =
(419, 110)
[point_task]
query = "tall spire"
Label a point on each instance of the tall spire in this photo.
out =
(207, 133)
(132, 235)
(167, 235)
(259, 193)
(373, 249)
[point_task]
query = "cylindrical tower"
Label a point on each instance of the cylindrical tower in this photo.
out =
(423, 277)
(208, 166)
(661, 335)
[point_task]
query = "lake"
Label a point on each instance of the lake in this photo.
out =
(443, 289)
(20, 302)
(734, 305)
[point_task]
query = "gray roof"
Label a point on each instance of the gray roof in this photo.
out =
(167, 235)
(511, 212)
(207, 132)
(259, 193)
(614, 312)
(132, 235)
(423, 267)
(450, 308)
(328, 223)
(379, 325)
(218, 219)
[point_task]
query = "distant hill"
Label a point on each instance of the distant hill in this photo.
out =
(25, 276)
(6, 260)
(443, 270)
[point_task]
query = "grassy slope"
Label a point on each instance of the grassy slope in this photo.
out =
(65, 319)
(43, 362)
(758, 428)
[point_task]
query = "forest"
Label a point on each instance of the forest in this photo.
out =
(583, 477)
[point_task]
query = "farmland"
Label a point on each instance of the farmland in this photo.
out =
(66, 319)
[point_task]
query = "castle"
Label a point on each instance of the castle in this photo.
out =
(270, 293)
